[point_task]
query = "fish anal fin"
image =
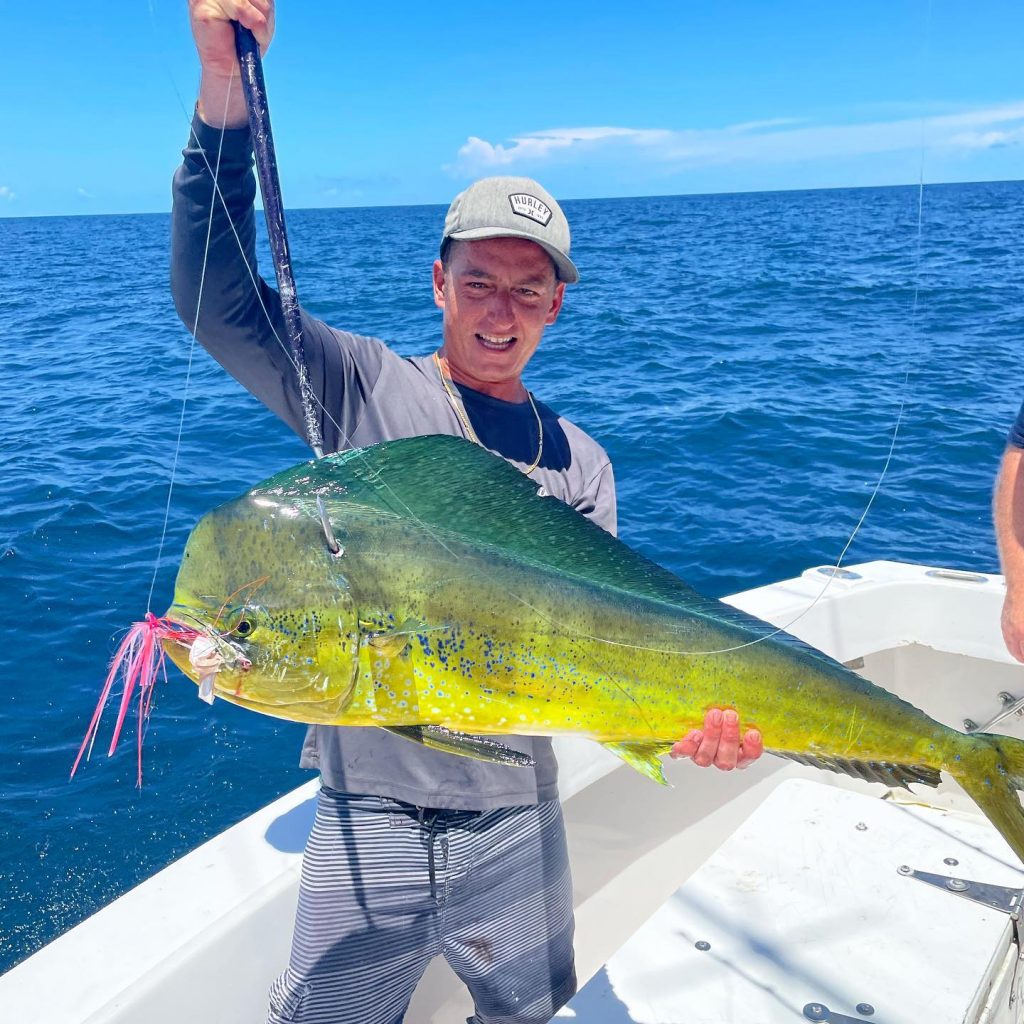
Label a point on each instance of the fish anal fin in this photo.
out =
(886, 772)
(480, 748)
(644, 757)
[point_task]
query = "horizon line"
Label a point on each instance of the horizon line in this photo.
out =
(587, 199)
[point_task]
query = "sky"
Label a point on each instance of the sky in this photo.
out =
(409, 102)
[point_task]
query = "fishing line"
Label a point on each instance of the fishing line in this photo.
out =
(833, 571)
(570, 632)
(188, 372)
(912, 335)
(779, 630)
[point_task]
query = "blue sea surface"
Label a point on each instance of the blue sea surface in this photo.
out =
(744, 358)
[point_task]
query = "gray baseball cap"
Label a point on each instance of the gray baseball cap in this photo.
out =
(512, 208)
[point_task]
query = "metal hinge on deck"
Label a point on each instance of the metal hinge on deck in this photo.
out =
(998, 897)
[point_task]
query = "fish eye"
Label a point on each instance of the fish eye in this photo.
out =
(244, 627)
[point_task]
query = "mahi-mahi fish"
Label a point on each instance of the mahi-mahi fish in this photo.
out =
(460, 603)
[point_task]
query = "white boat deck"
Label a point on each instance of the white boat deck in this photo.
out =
(802, 914)
(201, 940)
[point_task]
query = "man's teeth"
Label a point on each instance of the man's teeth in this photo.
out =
(495, 343)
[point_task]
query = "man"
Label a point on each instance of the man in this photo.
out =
(1008, 510)
(414, 853)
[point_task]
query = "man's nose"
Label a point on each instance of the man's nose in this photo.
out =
(500, 308)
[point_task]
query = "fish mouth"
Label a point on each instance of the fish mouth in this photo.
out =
(205, 654)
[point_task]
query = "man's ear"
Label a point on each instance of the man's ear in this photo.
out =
(556, 304)
(439, 284)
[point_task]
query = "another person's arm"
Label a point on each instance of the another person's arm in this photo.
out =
(1008, 508)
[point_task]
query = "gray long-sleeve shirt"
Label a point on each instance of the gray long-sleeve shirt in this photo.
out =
(368, 394)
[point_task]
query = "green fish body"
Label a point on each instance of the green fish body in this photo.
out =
(464, 603)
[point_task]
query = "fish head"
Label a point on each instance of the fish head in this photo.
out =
(278, 629)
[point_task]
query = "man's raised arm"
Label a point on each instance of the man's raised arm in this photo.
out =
(218, 293)
(216, 286)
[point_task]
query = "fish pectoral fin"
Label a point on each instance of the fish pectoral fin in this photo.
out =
(393, 642)
(436, 737)
(390, 645)
(644, 757)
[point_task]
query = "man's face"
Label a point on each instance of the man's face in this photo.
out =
(498, 295)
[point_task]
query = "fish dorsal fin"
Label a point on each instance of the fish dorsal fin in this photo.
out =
(456, 489)
(886, 772)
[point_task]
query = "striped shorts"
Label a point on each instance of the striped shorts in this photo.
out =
(387, 886)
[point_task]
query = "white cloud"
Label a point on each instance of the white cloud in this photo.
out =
(781, 140)
(6, 193)
(84, 193)
(478, 154)
(988, 140)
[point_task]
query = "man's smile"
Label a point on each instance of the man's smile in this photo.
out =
(494, 342)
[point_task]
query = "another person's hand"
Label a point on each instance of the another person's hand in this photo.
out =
(1013, 626)
(1008, 513)
(719, 743)
(215, 36)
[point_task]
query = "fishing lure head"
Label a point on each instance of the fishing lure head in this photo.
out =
(274, 614)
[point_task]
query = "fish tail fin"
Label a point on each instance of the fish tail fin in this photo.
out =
(991, 771)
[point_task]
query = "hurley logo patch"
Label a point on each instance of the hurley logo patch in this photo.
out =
(525, 205)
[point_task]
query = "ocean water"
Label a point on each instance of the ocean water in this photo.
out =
(744, 358)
